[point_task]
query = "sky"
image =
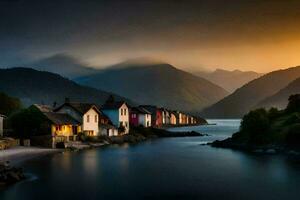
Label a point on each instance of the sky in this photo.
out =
(258, 35)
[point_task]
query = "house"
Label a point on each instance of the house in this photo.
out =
(139, 116)
(156, 115)
(165, 116)
(118, 113)
(86, 113)
(60, 127)
(1, 124)
(173, 118)
(108, 130)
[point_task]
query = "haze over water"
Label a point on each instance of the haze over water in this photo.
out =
(170, 168)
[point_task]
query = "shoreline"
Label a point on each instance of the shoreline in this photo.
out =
(18, 154)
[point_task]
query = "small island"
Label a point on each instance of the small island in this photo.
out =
(268, 131)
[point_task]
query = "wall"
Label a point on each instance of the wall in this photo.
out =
(93, 124)
(1, 126)
(145, 120)
(124, 119)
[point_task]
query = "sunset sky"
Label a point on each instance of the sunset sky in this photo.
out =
(260, 35)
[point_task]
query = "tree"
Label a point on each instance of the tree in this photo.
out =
(256, 123)
(8, 104)
(27, 122)
(294, 103)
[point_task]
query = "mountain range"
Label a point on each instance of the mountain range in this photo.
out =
(268, 90)
(63, 64)
(229, 80)
(32, 86)
(158, 84)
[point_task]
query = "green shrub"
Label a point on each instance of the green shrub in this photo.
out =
(256, 123)
(293, 136)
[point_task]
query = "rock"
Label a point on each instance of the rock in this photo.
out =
(270, 151)
(10, 175)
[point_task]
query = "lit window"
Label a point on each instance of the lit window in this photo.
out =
(88, 118)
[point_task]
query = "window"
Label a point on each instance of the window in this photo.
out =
(126, 124)
(124, 111)
(88, 118)
(121, 111)
(96, 118)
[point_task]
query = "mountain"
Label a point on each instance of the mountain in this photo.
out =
(32, 86)
(229, 80)
(247, 97)
(157, 84)
(280, 99)
(63, 64)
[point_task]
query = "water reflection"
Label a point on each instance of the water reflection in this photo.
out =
(177, 168)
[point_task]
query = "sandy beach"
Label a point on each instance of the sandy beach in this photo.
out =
(19, 153)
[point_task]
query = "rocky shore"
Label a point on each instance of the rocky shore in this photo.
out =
(254, 148)
(10, 175)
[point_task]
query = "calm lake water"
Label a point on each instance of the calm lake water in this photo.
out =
(170, 168)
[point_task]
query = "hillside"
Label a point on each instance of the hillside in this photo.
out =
(64, 65)
(32, 86)
(229, 80)
(247, 97)
(158, 84)
(268, 131)
(280, 99)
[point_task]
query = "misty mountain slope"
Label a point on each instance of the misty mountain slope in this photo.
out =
(248, 96)
(158, 84)
(229, 80)
(280, 99)
(63, 64)
(32, 86)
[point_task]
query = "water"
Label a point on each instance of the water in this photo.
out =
(170, 168)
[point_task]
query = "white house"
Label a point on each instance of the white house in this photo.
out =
(1, 124)
(118, 113)
(87, 114)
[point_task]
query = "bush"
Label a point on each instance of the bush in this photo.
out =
(292, 119)
(293, 136)
(256, 123)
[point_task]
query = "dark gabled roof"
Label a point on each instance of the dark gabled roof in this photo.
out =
(140, 110)
(43, 108)
(113, 105)
(61, 118)
(152, 109)
(80, 107)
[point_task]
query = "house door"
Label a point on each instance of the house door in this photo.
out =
(74, 130)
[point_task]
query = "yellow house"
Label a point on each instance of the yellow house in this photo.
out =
(64, 128)
(173, 119)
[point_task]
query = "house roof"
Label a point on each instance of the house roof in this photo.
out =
(2, 116)
(140, 110)
(61, 118)
(44, 108)
(112, 105)
(80, 107)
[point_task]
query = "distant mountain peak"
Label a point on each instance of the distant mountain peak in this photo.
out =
(64, 64)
